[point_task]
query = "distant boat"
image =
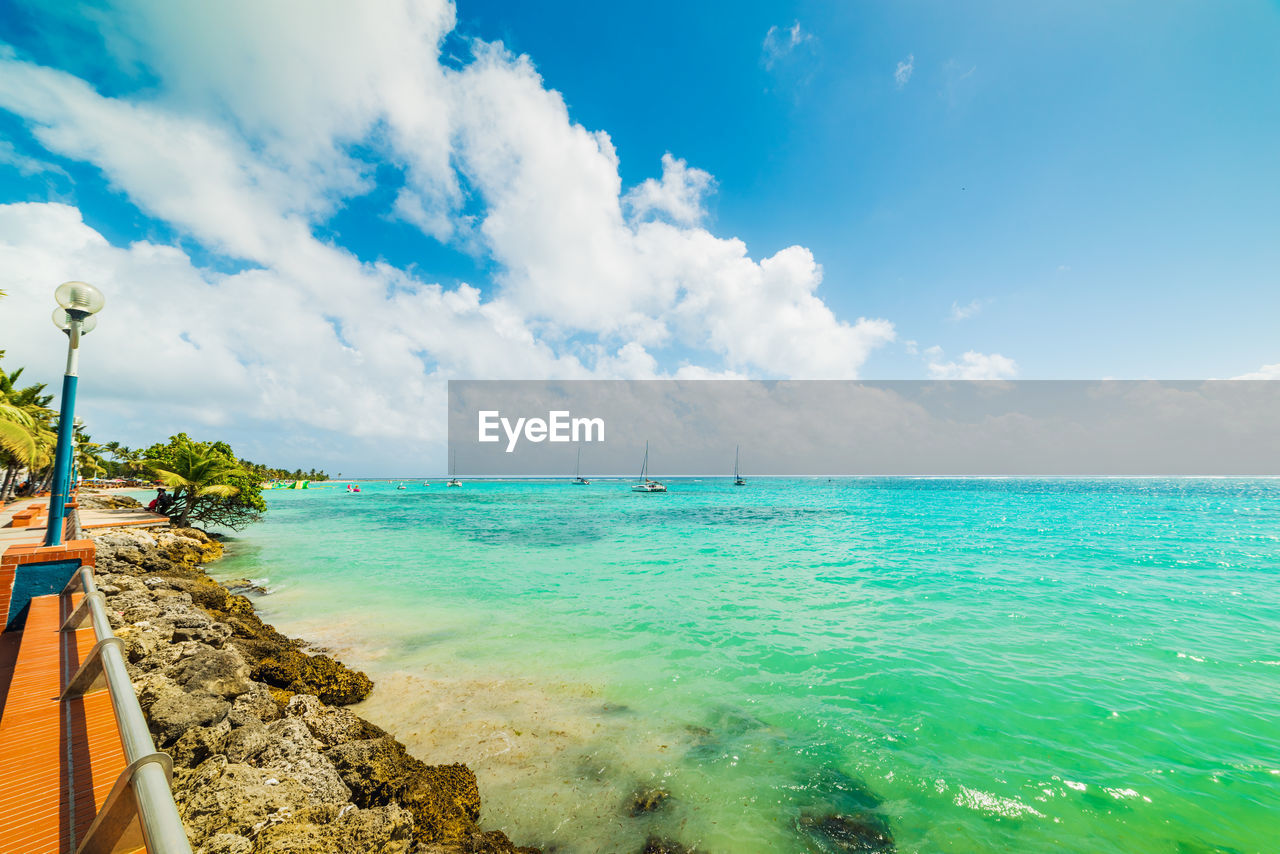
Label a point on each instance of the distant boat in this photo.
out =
(737, 475)
(401, 486)
(425, 483)
(578, 479)
(646, 485)
(453, 469)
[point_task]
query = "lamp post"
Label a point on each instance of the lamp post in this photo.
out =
(78, 302)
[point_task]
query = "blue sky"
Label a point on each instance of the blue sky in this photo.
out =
(1133, 143)
(324, 216)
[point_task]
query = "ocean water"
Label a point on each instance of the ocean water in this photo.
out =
(970, 665)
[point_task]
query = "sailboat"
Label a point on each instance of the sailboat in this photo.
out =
(453, 472)
(401, 486)
(646, 485)
(737, 474)
(578, 479)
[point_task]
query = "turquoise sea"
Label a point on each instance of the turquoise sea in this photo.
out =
(970, 665)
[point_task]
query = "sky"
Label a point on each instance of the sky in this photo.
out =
(306, 216)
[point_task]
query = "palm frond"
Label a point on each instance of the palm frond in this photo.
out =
(221, 490)
(18, 441)
(172, 479)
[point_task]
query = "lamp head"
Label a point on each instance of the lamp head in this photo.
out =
(62, 318)
(79, 297)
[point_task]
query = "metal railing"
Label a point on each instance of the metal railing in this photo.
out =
(142, 790)
(73, 529)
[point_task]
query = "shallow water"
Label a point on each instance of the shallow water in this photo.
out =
(984, 665)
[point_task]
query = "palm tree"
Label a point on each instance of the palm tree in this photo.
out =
(89, 462)
(197, 472)
(26, 437)
(15, 421)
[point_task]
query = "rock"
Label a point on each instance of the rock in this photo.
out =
(172, 711)
(444, 799)
(145, 638)
(119, 581)
(213, 671)
(246, 742)
(199, 743)
(203, 591)
(835, 833)
(330, 725)
(254, 706)
(342, 830)
(647, 799)
(662, 845)
(291, 751)
(88, 501)
(225, 843)
(212, 633)
(134, 606)
(331, 681)
(222, 797)
(243, 585)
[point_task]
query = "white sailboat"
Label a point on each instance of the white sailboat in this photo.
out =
(737, 473)
(453, 472)
(646, 485)
(578, 479)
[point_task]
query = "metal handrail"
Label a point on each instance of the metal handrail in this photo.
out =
(74, 531)
(143, 788)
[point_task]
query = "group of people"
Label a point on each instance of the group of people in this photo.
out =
(162, 502)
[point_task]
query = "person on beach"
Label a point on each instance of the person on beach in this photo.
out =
(161, 502)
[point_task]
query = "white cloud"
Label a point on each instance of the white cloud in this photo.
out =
(257, 344)
(678, 196)
(902, 74)
(972, 366)
(780, 43)
(244, 144)
(27, 166)
(964, 312)
(1266, 372)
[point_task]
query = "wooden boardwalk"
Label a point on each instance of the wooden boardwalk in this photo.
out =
(58, 760)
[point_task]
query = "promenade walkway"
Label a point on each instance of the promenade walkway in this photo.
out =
(58, 758)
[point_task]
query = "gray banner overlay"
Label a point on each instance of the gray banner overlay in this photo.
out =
(832, 428)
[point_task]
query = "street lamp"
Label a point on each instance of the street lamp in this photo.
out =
(78, 302)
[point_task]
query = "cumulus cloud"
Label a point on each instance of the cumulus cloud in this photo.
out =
(245, 141)
(678, 195)
(780, 43)
(902, 74)
(971, 366)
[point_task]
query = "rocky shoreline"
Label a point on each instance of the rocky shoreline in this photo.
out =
(265, 756)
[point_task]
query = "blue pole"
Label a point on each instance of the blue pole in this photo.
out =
(62, 463)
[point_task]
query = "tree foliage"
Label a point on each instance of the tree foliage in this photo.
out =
(27, 436)
(209, 484)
